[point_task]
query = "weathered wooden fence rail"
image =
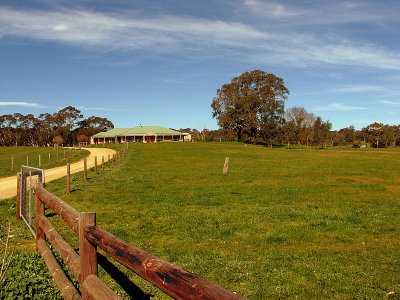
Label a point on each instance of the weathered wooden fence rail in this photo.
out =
(171, 279)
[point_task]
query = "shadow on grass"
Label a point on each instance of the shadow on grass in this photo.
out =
(126, 284)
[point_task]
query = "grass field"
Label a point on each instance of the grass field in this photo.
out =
(282, 224)
(19, 155)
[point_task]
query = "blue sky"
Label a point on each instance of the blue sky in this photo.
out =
(161, 62)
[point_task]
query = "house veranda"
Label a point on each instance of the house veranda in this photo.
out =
(140, 134)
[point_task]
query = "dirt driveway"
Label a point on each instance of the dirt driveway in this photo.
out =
(8, 185)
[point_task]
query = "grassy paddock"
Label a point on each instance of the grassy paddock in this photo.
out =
(281, 224)
(20, 153)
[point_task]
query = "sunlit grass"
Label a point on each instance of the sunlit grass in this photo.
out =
(18, 155)
(281, 224)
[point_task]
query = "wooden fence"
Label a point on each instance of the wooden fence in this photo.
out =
(169, 278)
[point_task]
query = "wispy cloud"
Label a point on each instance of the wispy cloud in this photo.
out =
(323, 12)
(338, 107)
(389, 102)
(98, 108)
(359, 88)
(86, 28)
(20, 104)
(260, 44)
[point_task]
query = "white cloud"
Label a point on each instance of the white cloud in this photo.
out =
(273, 9)
(390, 102)
(359, 89)
(19, 104)
(84, 28)
(98, 108)
(175, 34)
(339, 107)
(323, 12)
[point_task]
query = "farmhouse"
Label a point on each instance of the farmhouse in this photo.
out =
(140, 134)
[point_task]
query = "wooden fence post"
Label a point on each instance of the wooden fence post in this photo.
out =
(95, 164)
(102, 164)
(226, 165)
(40, 161)
(108, 161)
(49, 158)
(18, 204)
(12, 163)
(39, 213)
(27, 160)
(64, 154)
(68, 178)
(87, 251)
(85, 168)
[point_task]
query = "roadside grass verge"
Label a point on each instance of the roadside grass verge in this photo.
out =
(308, 224)
(58, 157)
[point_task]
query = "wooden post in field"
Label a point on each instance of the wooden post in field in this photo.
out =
(226, 166)
(12, 163)
(68, 178)
(87, 251)
(27, 160)
(95, 164)
(49, 158)
(18, 204)
(85, 167)
(39, 213)
(40, 161)
(102, 163)
(64, 154)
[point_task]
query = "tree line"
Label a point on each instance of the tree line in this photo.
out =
(67, 126)
(375, 135)
(251, 108)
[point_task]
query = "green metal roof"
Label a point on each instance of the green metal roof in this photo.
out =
(158, 130)
(138, 130)
(111, 133)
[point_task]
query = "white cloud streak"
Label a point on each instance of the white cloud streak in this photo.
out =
(323, 12)
(19, 104)
(98, 108)
(173, 34)
(339, 107)
(390, 102)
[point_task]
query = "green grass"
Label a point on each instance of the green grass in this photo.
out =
(282, 224)
(20, 158)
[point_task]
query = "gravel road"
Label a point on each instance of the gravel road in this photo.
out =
(8, 185)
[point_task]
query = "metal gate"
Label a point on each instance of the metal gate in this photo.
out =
(30, 178)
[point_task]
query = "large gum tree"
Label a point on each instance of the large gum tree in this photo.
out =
(251, 103)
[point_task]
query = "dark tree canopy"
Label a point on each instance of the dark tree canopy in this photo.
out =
(250, 104)
(63, 127)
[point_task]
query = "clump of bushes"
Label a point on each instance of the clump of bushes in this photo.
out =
(27, 278)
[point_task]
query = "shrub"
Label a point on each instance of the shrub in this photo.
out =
(27, 278)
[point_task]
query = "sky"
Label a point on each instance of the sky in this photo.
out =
(161, 62)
